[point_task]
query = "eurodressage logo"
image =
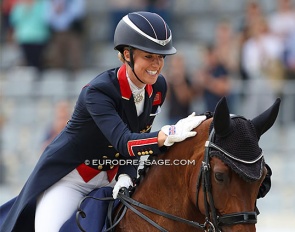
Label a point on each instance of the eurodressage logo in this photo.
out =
(160, 162)
(168, 162)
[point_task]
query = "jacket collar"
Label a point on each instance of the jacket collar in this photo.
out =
(124, 85)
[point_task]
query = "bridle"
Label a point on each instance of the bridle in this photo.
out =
(213, 220)
(212, 223)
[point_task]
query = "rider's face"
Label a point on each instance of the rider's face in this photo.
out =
(147, 66)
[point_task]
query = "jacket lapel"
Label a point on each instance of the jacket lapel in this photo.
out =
(135, 123)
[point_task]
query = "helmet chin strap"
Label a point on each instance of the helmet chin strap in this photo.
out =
(131, 63)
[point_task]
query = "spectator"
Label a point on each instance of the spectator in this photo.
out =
(262, 52)
(226, 46)
(31, 30)
(120, 8)
(282, 21)
(61, 117)
(289, 61)
(262, 61)
(7, 30)
(67, 23)
(161, 7)
(253, 12)
(213, 79)
(180, 90)
(282, 25)
(289, 56)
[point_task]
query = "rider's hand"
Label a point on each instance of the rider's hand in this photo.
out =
(123, 181)
(182, 129)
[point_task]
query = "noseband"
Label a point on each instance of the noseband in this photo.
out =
(214, 221)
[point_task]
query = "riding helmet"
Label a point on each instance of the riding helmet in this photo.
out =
(145, 31)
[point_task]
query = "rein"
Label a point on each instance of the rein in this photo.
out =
(81, 213)
(128, 202)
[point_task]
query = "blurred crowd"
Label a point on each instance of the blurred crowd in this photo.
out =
(260, 51)
(48, 32)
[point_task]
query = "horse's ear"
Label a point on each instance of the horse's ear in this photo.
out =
(265, 120)
(221, 119)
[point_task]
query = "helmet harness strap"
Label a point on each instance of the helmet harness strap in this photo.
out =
(131, 63)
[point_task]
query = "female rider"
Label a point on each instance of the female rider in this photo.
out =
(111, 121)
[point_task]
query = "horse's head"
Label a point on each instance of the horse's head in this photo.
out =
(233, 168)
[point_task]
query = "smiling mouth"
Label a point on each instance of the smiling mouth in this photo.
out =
(152, 72)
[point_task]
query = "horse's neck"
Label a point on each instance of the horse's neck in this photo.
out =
(160, 191)
(172, 187)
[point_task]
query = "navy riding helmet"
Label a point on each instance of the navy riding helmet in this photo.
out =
(145, 31)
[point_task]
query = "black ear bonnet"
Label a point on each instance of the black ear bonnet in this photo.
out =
(241, 143)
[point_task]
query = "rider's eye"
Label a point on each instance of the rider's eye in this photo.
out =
(219, 176)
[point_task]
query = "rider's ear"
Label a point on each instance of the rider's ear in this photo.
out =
(265, 120)
(221, 119)
(126, 54)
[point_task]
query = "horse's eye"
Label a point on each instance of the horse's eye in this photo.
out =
(219, 176)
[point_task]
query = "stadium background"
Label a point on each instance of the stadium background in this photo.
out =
(27, 103)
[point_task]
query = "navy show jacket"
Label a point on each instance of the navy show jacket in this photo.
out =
(104, 124)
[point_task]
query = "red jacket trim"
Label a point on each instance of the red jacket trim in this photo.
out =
(124, 85)
(87, 173)
(140, 142)
(157, 99)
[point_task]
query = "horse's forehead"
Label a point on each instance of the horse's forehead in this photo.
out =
(219, 165)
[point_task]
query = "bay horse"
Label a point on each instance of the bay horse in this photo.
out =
(216, 193)
(209, 182)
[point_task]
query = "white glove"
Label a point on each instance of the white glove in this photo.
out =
(182, 129)
(123, 181)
